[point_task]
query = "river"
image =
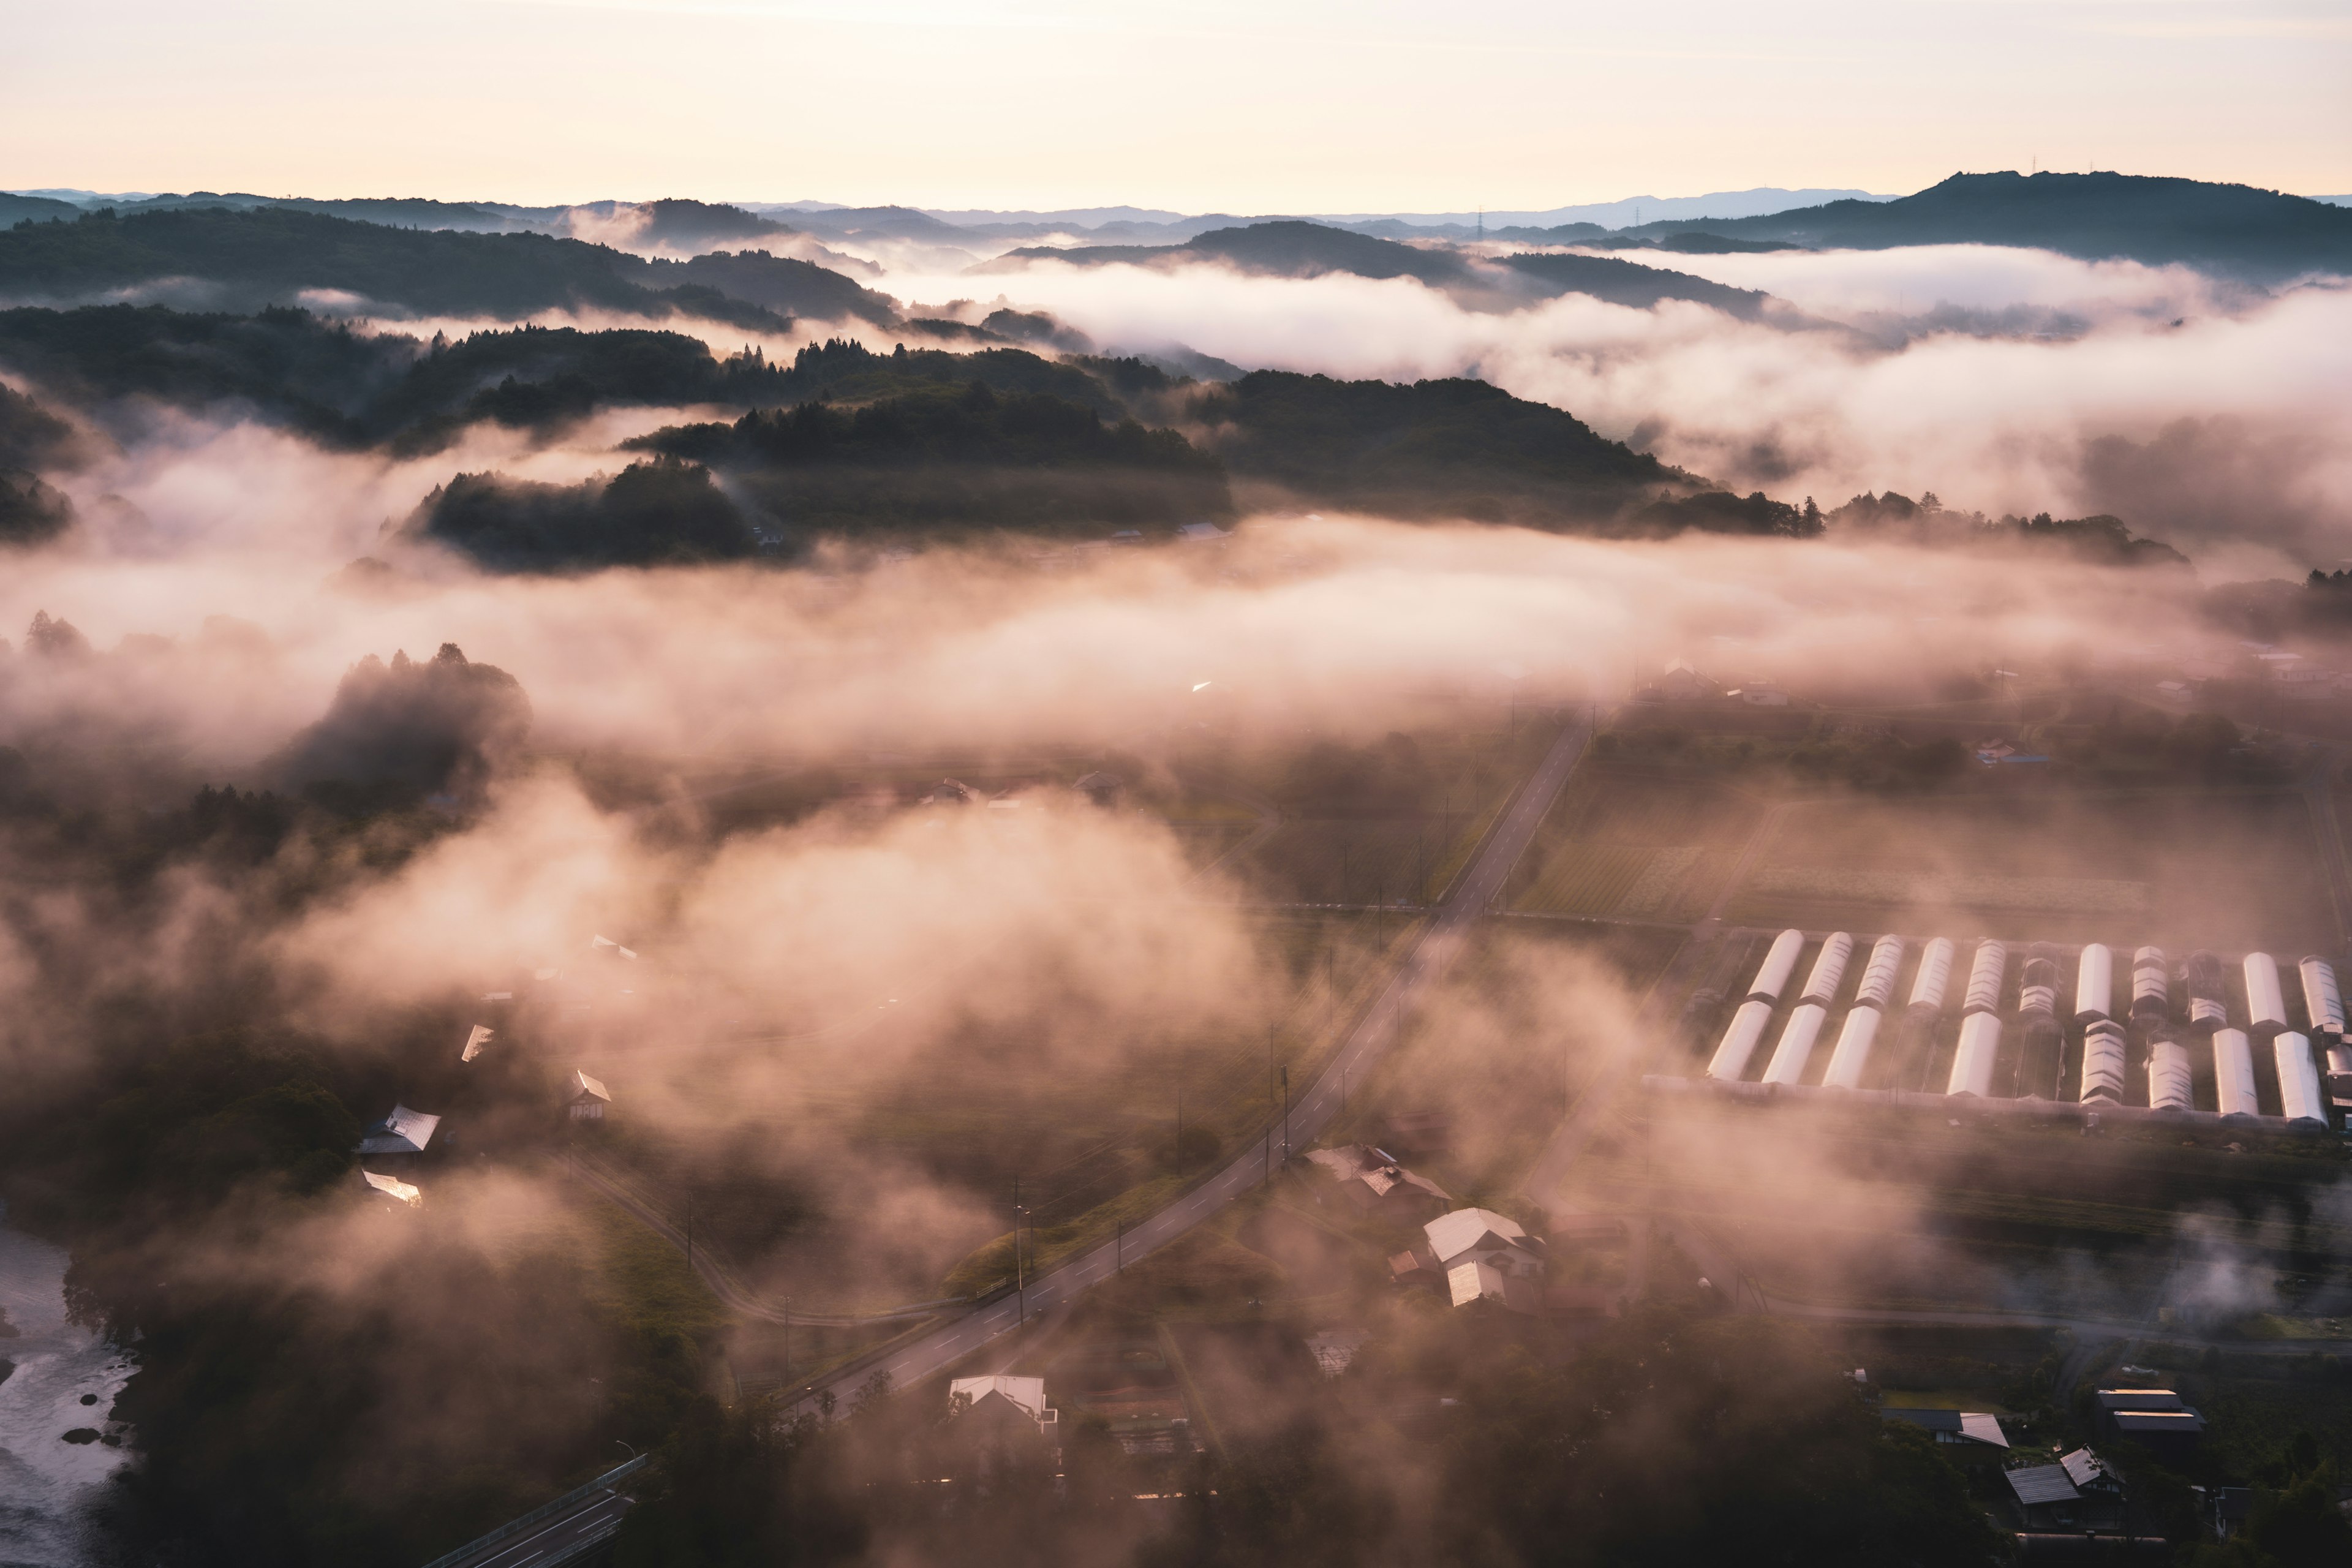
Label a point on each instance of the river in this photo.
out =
(64, 1381)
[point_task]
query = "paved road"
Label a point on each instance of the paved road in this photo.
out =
(596, 1518)
(1432, 952)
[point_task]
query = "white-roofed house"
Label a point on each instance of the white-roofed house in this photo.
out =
(402, 1131)
(588, 1098)
(1489, 1257)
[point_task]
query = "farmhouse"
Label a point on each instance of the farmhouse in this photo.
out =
(588, 1098)
(402, 1131)
(1485, 1255)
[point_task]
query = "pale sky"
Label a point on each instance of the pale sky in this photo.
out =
(1244, 106)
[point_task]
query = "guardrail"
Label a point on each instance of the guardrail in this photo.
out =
(570, 1501)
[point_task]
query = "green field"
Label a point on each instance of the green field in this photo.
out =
(2225, 869)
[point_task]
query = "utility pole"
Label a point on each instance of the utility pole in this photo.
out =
(1020, 1284)
(1285, 1116)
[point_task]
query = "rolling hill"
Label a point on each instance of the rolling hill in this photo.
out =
(2262, 236)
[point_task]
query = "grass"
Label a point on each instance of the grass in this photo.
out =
(2228, 869)
(643, 1281)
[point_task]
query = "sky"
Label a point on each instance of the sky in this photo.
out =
(1211, 105)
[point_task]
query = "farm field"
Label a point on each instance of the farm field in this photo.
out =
(1501, 1048)
(2230, 871)
(1635, 844)
(1359, 860)
(1395, 820)
(975, 1113)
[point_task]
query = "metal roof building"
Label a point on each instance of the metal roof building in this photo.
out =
(1953, 1426)
(404, 1131)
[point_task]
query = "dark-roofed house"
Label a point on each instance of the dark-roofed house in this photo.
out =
(1100, 787)
(2077, 1493)
(402, 1131)
(1968, 1428)
(1372, 1180)
(2156, 1418)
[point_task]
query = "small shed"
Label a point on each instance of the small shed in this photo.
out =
(1100, 787)
(588, 1098)
(402, 1131)
(1373, 1180)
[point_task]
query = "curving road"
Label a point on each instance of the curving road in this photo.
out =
(1432, 954)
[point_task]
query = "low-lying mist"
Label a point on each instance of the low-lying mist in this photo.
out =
(2004, 380)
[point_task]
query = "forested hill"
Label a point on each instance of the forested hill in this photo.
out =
(268, 256)
(1460, 448)
(2260, 234)
(1291, 248)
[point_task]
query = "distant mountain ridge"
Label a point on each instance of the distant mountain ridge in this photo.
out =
(2262, 236)
(277, 255)
(1296, 248)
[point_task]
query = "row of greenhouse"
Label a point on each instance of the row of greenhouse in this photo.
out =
(2045, 1024)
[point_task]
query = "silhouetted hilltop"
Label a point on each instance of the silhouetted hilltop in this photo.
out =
(442, 725)
(14, 209)
(1285, 247)
(31, 437)
(967, 424)
(954, 457)
(2237, 230)
(780, 283)
(347, 387)
(1289, 249)
(31, 512)
(1435, 447)
(656, 513)
(275, 255)
(1631, 283)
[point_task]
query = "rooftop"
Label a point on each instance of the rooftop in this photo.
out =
(404, 1131)
(1470, 1230)
(1027, 1392)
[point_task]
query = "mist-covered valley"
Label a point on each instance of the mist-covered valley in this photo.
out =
(651, 834)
